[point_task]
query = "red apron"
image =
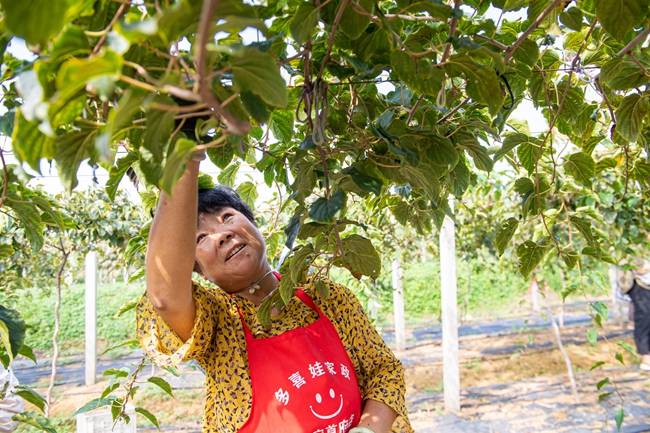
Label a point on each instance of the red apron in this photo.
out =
(302, 380)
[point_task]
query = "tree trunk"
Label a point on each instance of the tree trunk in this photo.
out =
(55, 336)
(567, 360)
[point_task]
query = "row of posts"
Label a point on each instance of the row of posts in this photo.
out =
(451, 372)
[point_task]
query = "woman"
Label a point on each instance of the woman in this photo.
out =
(636, 283)
(320, 367)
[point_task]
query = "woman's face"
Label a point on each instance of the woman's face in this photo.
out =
(230, 250)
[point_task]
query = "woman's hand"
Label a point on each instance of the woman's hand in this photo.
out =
(377, 416)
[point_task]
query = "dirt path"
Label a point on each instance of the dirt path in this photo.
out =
(511, 383)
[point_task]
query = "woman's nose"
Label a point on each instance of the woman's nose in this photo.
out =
(222, 237)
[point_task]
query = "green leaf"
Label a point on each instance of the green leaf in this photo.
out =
(527, 53)
(222, 155)
(572, 18)
(629, 116)
(602, 383)
(117, 173)
(73, 41)
(148, 415)
(570, 257)
(629, 348)
(327, 211)
(370, 43)
(35, 420)
(176, 163)
(255, 106)
(35, 21)
(405, 68)
(364, 181)
(93, 404)
(530, 254)
(584, 227)
(162, 384)
(440, 151)
(527, 154)
(30, 144)
(6, 250)
(602, 397)
(12, 330)
(592, 336)
(620, 74)
(459, 178)
(301, 261)
(619, 417)
(160, 125)
(505, 232)
(478, 152)
(619, 358)
(596, 365)
(618, 17)
(228, 175)
(28, 218)
(258, 73)
(601, 309)
(71, 149)
(31, 396)
(352, 23)
(282, 125)
(360, 257)
(248, 192)
(483, 84)
(126, 307)
(133, 344)
(582, 167)
(303, 22)
(510, 142)
(27, 352)
(76, 73)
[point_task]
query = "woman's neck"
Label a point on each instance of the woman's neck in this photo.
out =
(267, 282)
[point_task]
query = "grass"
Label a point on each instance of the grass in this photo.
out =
(37, 308)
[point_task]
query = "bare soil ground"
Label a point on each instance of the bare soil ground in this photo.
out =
(511, 383)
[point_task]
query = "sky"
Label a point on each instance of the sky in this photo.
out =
(50, 181)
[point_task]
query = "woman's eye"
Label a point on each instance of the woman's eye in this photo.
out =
(226, 216)
(200, 237)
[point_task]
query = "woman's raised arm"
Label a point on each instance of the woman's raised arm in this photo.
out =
(170, 254)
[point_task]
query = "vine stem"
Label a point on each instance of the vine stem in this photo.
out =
(636, 41)
(102, 40)
(550, 131)
(5, 185)
(445, 56)
(558, 340)
(55, 336)
(323, 158)
(277, 215)
(233, 124)
(129, 387)
(453, 111)
(532, 28)
(335, 24)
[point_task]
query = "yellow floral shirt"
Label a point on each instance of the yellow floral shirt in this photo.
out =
(218, 344)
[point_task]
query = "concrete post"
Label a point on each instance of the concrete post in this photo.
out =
(398, 305)
(91, 317)
(451, 374)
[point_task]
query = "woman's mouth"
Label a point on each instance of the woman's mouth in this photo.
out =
(234, 252)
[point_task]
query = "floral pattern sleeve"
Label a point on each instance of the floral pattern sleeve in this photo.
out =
(160, 341)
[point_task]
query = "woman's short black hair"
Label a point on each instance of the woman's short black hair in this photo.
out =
(212, 200)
